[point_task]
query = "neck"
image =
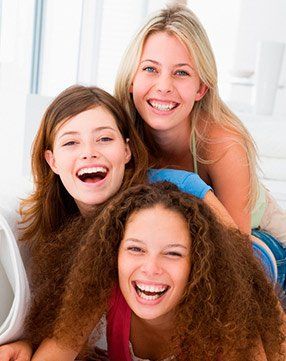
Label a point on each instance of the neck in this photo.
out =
(150, 338)
(161, 325)
(173, 141)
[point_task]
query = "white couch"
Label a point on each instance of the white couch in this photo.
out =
(14, 289)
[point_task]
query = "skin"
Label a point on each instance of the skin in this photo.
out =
(154, 252)
(87, 140)
(168, 78)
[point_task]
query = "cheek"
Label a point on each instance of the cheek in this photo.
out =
(123, 271)
(126, 267)
(181, 278)
(141, 84)
(118, 158)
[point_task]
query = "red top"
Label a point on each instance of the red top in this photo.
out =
(118, 328)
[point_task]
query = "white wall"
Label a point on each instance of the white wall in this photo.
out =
(259, 20)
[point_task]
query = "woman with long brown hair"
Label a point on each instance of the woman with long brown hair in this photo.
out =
(175, 282)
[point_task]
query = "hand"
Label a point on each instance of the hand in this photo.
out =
(16, 351)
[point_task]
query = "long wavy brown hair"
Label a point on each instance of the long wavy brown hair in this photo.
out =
(50, 207)
(228, 305)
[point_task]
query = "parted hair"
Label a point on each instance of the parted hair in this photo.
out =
(228, 304)
(180, 21)
(50, 205)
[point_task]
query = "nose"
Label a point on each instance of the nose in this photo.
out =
(151, 266)
(164, 84)
(89, 152)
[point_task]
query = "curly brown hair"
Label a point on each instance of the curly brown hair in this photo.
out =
(228, 305)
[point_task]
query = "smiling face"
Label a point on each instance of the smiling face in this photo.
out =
(154, 262)
(166, 84)
(89, 154)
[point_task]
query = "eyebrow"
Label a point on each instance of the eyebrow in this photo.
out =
(98, 129)
(176, 65)
(171, 245)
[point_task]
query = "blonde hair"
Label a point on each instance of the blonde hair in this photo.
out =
(180, 21)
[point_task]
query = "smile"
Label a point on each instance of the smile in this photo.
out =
(150, 292)
(92, 174)
(162, 106)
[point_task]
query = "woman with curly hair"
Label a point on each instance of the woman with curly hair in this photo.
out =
(176, 284)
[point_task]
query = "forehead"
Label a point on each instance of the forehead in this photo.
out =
(158, 226)
(93, 118)
(166, 43)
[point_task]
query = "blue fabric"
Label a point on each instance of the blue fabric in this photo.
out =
(266, 261)
(278, 252)
(187, 182)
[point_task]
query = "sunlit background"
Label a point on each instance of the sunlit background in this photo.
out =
(47, 45)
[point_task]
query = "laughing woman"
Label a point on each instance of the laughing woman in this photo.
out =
(175, 282)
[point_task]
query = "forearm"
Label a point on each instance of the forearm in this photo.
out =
(51, 350)
(220, 211)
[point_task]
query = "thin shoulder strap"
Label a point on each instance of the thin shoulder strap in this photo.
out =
(194, 152)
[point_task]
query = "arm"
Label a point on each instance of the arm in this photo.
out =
(191, 183)
(51, 350)
(230, 176)
(211, 200)
(16, 351)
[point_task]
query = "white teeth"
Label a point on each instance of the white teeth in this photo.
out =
(91, 170)
(151, 288)
(148, 297)
(161, 106)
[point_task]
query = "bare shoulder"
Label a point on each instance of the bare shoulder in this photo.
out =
(217, 139)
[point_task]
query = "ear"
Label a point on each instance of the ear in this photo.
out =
(201, 91)
(50, 159)
(127, 152)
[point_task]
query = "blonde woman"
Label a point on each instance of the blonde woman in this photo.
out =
(167, 82)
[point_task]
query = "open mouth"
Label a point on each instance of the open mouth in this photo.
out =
(162, 106)
(92, 175)
(150, 292)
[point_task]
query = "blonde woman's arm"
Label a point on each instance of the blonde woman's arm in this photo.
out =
(230, 175)
(212, 201)
(191, 183)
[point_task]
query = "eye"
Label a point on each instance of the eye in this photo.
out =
(174, 254)
(149, 69)
(182, 73)
(105, 139)
(69, 143)
(135, 249)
